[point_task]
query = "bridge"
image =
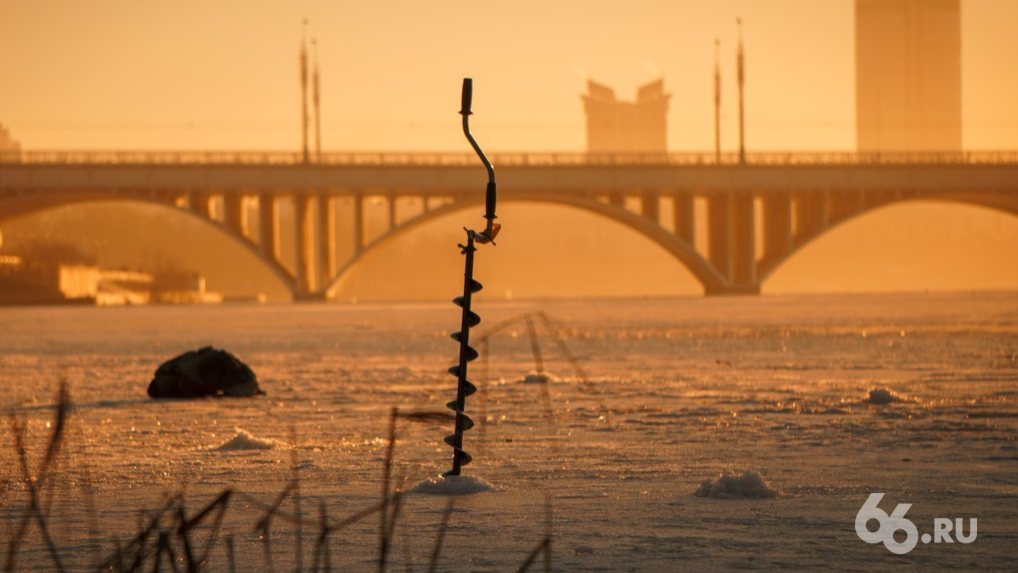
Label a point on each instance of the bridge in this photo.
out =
(730, 223)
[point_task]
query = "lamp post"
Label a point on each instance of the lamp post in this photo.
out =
(315, 100)
(717, 100)
(304, 90)
(741, 70)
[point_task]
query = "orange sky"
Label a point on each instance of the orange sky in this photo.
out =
(223, 74)
(194, 74)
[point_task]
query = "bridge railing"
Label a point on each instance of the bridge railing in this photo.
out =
(390, 158)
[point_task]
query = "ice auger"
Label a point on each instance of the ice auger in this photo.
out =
(469, 318)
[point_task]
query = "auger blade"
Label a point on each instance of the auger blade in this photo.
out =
(450, 440)
(473, 319)
(467, 422)
(475, 286)
(457, 336)
(459, 461)
(468, 388)
(458, 301)
(471, 353)
(455, 371)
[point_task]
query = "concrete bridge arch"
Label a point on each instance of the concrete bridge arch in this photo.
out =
(680, 249)
(790, 223)
(1004, 203)
(11, 208)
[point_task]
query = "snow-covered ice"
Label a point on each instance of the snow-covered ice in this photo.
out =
(452, 485)
(243, 440)
(679, 390)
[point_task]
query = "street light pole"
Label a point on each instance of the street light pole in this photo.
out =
(315, 100)
(304, 90)
(717, 100)
(740, 60)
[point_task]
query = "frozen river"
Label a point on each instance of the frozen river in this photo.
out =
(673, 392)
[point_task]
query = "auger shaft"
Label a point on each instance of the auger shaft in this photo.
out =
(464, 387)
(469, 319)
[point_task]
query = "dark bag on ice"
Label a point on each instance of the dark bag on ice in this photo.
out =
(204, 372)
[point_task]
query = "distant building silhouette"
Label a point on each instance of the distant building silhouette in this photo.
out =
(908, 75)
(7, 142)
(615, 126)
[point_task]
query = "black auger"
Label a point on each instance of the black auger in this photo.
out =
(470, 286)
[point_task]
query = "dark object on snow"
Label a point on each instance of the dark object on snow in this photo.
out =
(204, 372)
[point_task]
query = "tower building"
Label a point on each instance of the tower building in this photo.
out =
(908, 75)
(615, 126)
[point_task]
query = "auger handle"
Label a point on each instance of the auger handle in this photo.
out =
(468, 96)
(491, 194)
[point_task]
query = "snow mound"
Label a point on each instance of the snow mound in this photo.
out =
(452, 485)
(734, 485)
(883, 396)
(535, 378)
(245, 441)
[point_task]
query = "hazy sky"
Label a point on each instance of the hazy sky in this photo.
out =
(223, 74)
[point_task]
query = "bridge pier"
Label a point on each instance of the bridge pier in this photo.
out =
(731, 248)
(844, 204)
(198, 201)
(777, 225)
(719, 234)
(810, 214)
(391, 198)
(743, 233)
(326, 240)
(684, 215)
(358, 224)
(235, 214)
(732, 290)
(305, 243)
(268, 226)
(650, 206)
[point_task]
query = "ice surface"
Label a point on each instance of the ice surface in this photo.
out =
(614, 465)
(748, 484)
(243, 440)
(452, 485)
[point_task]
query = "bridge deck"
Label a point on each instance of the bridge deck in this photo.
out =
(503, 159)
